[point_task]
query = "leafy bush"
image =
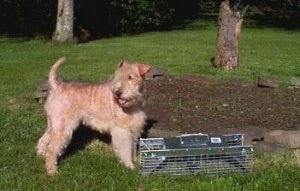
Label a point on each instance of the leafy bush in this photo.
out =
(114, 17)
(140, 15)
(103, 18)
(284, 13)
(27, 17)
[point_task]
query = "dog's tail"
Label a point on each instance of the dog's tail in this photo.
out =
(52, 78)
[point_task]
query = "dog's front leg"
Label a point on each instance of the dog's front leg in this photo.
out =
(122, 143)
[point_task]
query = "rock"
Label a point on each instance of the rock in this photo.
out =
(290, 139)
(295, 82)
(267, 82)
(44, 86)
(154, 73)
(42, 90)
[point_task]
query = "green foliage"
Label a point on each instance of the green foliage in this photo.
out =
(107, 18)
(95, 18)
(275, 12)
(142, 15)
(27, 17)
(98, 18)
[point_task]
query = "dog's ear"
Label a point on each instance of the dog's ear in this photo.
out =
(143, 68)
(121, 63)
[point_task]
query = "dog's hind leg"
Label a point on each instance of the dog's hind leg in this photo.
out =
(44, 141)
(61, 134)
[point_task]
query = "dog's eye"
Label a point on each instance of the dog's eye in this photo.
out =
(130, 77)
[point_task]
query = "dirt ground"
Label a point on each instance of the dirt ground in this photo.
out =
(195, 104)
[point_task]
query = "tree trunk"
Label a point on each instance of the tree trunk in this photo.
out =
(230, 23)
(64, 22)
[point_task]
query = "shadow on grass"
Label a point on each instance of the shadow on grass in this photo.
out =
(82, 136)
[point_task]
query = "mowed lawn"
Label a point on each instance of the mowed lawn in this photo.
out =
(25, 62)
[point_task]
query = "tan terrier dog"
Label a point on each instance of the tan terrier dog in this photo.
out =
(114, 107)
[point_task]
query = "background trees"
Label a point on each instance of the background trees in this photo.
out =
(281, 13)
(96, 18)
(64, 21)
(27, 17)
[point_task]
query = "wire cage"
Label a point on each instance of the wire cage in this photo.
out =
(195, 153)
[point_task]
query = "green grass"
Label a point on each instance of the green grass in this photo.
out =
(23, 63)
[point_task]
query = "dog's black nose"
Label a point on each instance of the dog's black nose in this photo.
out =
(118, 93)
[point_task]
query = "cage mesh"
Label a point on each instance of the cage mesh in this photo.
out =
(229, 157)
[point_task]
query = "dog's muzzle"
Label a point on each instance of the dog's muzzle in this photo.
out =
(119, 99)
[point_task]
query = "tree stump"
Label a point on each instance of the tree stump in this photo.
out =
(230, 23)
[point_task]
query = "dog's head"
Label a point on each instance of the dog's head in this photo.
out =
(127, 84)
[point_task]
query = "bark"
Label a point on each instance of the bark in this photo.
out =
(230, 23)
(64, 22)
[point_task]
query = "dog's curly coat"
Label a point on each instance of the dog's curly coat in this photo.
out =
(114, 107)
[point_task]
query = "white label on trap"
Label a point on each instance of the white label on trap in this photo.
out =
(215, 140)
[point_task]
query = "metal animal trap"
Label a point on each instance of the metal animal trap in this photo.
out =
(195, 153)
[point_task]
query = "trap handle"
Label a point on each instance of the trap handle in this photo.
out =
(192, 140)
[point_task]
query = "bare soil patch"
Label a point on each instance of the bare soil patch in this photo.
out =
(197, 104)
